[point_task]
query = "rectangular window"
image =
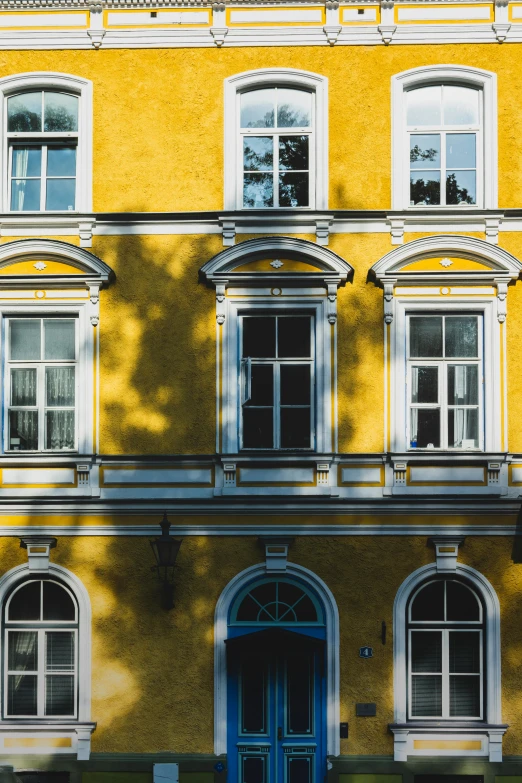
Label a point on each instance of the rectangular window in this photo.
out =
(41, 384)
(445, 674)
(277, 381)
(445, 371)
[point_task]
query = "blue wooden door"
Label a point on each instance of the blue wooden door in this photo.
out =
(276, 709)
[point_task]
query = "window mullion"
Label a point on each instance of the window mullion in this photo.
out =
(40, 401)
(445, 675)
(275, 158)
(443, 168)
(277, 405)
(43, 181)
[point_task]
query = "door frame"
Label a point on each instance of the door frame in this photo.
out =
(331, 616)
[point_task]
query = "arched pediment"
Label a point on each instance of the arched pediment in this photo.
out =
(32, 261)
(447, 257)
(294, 261)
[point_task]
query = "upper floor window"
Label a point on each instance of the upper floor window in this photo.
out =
(445, 142)
(445, 639)
(444, 138)
(47, 122)
(41, 633)
(42, 133)
(42, 378)
(275, 140)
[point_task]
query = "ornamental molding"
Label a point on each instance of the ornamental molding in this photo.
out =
(51, 249)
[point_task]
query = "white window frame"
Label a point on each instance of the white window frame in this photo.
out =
(491, 359)
(251, 303)
(41, 628)
(84, 381)
(487, 153)
(277, 77)
(57, 82)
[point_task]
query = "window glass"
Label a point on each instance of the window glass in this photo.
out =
(258, 108)
(276, 601)
(461, 105)
(25, 603)
(424, 106)
(25, 339)
(60, 112)
(24, 112)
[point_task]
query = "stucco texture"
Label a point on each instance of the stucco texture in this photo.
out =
(158, 117)
(153, 670)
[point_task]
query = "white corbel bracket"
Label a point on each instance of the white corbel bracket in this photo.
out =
(491, 228)
(228, 229)
(446, 552)
(96, 37)
(96, 31)
(396, 230)
(331, 312)
(332, 32)
(38, 552)
(387, 31)
(501, 30)
(501, 301)
(85, 230)
(322, 231)
(276, 552)
(94, 296)
(388, 303)
(219, 34)
(221, 302)
(501, 12)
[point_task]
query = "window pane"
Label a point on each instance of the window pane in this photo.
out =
(462, 384)
(24, 112)
(59, 340)
(425, 428)
(262, 385)
(425, 337)
(23, 651)
(23, 387)
(60, 194)
(295, 384)
(23, 430)
(461, 338)
(461, 187)
(464, 652)
(295, 428)
(59, 695)
(463, 430)
(293, 190)
(424, 384)
(59, 651)
(429, 603)
(426, 696)
(60, 112)
(465, 697)
(299, 693)
(27, 162)
(294, 108)
(21, 694)
(59, 386)
(259, 337)
(57, 603)
(293, 337)
(25, 195)
(258, 428)
(25, 603)
(253, 696)
(426, 651)
(25, 340)
(461, 105)
(461, 151)
(425, 188)
(424, 106)
(425, 151)
(61, 162)
(258, 190)
(293, 153)
(462, 603)
(258, 153)
(59, 430)
(257, 109)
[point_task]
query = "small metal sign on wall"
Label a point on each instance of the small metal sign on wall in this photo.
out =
(365, 652)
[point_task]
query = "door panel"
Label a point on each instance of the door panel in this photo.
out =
(276, 715)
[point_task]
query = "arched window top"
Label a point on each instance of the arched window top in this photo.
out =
(443, 104)
(40, 601)
(444, 601)
(276, 107)
(276, 602)
(35, 111)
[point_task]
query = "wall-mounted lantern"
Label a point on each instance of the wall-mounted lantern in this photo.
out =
(166, 550)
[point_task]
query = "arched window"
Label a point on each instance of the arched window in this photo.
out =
(444, 138)
(275, 140)
(276, 601)
(41, 660)
(47, 157)
(445, 652)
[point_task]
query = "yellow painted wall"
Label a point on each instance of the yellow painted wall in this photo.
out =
(158, 117)
(153, 670)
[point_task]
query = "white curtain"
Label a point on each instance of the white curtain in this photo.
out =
(21, 160)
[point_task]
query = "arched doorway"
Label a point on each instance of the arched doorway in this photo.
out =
(276, 676)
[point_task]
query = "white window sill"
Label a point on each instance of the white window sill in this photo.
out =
(46, 737)
(441, 738)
